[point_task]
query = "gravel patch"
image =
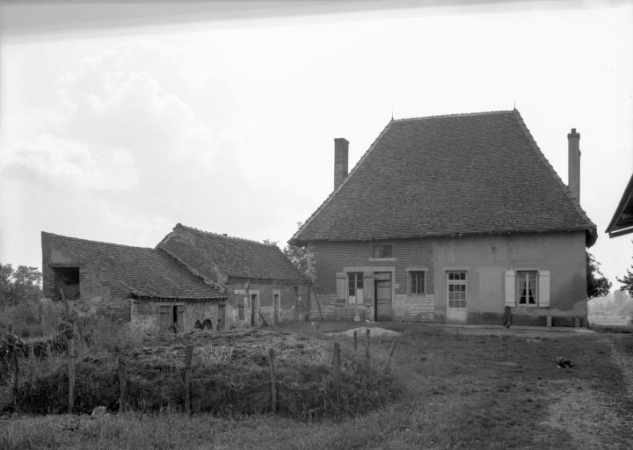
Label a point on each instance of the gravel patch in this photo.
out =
(362, 331)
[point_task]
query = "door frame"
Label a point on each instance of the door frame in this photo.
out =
(276, 306)
(221, 317)
(254, 307)
(459, 315)
(393, 283)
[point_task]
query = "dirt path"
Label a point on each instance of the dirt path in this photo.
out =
(593, 419)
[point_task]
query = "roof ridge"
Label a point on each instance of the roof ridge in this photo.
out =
(94, 242)
(333, 193)
(223, 236)
(192, 271)
(548, 166)
(441, 116)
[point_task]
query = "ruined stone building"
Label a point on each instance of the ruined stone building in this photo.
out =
(191, 279)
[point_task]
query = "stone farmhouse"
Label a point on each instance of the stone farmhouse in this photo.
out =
(451, 218)
(192, 279)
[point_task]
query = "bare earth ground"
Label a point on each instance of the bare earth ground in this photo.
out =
(465, 388)
(589, 416)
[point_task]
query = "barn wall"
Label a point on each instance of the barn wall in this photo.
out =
(98, 296)
(294, 302)
(146, 314)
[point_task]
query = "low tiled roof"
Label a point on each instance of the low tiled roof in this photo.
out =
(446, 176)
(146, 272)
(233, 257)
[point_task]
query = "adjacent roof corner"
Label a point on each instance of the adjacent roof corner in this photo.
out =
(622, 221)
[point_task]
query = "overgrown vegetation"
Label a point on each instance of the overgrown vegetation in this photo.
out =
(462, 391)
(230, 376)
(597, 284)
(20, 285)
(627, 281)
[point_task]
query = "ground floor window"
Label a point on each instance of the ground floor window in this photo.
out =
(456, 288)
(526, 287)
(417, 282)
(355, 287)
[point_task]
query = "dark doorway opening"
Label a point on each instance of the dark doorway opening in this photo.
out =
(66, 283)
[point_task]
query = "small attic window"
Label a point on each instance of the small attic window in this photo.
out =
(66, 283)
(382, 251)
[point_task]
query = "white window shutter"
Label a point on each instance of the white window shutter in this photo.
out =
(510, 288)
(543, 288)
(341, 286)
(368, 286)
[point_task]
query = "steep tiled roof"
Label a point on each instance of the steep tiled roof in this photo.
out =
(445, 176)
(233, 257)
(146, 272)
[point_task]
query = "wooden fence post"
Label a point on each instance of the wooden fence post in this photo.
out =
(16, 376)
(393, 348)
(355, 339)
(336, 368)
(273, 380)
(71, 376)
(368, 343)
(188, 356)
(122, 383)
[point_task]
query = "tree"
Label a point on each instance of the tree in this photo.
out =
(597, 284)
(627, 281)
(19, 285)
(298, 256)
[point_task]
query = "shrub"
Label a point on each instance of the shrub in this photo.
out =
(230, 376)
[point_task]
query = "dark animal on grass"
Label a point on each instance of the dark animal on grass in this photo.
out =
(563, 363)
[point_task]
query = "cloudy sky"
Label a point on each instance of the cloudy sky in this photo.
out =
(119, 121)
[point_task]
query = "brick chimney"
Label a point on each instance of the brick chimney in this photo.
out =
(341, 150)
(573, 177)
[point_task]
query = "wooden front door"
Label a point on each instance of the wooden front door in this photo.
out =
(171, 318)
(276, 308)
(383, 298)
(254, 310)
(221, 317)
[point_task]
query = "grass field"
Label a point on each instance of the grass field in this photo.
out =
(464, 389)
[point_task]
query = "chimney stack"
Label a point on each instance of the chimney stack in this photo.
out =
(573, 177)
(341, 150)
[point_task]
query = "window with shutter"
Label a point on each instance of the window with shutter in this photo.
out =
(368, 285)
(355, 283)
(544, 288)
(341, 286)
(510, 283)
(165, 319)
(527, 294)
